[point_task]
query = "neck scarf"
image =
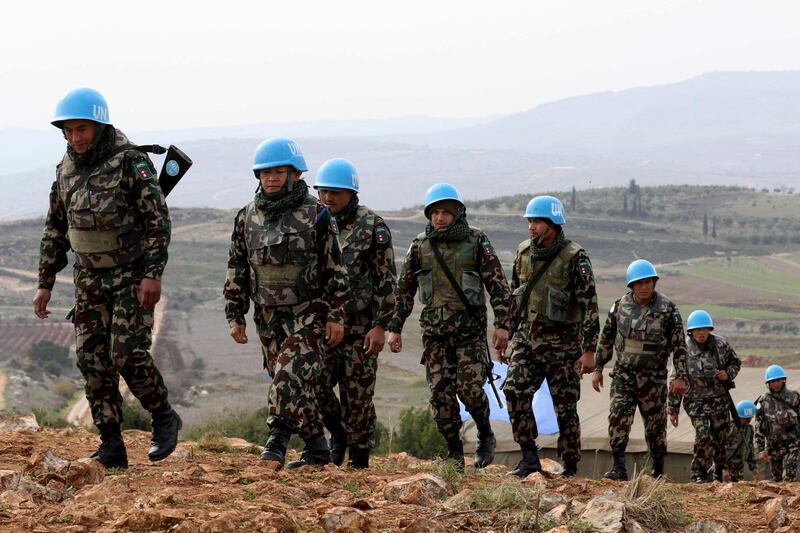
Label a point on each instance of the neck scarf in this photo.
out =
(274, 208)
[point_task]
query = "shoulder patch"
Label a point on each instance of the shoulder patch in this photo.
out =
(488, 249)
(382, 235)
(676, 317)
(142, 170)
(585, 267)
(334, 225)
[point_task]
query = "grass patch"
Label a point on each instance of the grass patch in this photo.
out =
(654, 503)
(213, 442)
(510, 503)
(450, 472)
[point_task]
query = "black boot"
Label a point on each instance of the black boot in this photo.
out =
(484, 453)
(338, 439)
(530, 461)
(111, 453)
(455, 452)
(275, 448)
(618, 471)
(658, 468)
(718, 471)
(570, 468)
(166, 424)
(359, 458)
(315, 453)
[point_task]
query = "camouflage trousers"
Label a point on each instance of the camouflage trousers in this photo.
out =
(527, 369)
(712, 425)
(783, 459)
(112, 339)
(455, 370)
(740, 451)
(291, 340)
(646, 389)
(347, 367)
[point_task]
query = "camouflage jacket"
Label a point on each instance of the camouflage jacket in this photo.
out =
(473, 262)
(701, 367)
(741, 446)
(777, 417)
(643, 336)
(293, 261)
(367, 253)
(110, 215)
(572, 279)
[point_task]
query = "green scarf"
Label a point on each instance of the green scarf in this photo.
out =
(99, 151)
(273, 208)
(457, 231)
(543, 252)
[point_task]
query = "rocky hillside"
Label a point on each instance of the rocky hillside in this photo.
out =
(219, 485)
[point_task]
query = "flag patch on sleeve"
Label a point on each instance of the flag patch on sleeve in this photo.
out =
(382, 236)
(142, 170)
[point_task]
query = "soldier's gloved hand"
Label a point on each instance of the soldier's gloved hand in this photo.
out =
(500, 341)
(238, 333)
(333, 333)
(374, 341)
(395, 342)
(677, 387)
(149, 292)
(597, 380)
(40, 301)
(673, 419)
(586, 363)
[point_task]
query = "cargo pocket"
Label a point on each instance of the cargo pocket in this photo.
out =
(472, 285)
(425, 282)
(557, 304)
(80, 211)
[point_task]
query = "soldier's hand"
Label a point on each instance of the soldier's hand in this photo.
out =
(763, 456)
(721, 375)
(395, 342)
(673, 419)
(586, 363)
(149, 292)
(238, 333)
(755, 474)
(333, 333)
(597, 380)
(40, 301)
(677, 387)
(500, 341)
(503, 358)
(374, 341)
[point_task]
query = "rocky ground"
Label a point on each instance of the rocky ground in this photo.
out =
(220, 485)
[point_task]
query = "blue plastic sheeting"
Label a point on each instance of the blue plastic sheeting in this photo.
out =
(542, 404)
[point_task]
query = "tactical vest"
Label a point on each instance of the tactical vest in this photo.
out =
(101, 219)
(701, 366)
(780, 410)
(642, 337)
(552, 299)
(356, 243)
(284, 263)
(461, 257)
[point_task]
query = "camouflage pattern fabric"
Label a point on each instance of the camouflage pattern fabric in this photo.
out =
(291, 335)
(368, 255)
(712, 423)
(542, 348)
(701, 367)
(777, 431)
(639, 378)
(740, 451)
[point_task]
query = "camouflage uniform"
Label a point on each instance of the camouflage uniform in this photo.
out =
(739, 449)
(707, 401)
(643, 337)
(290, 267)
(114, 217)
(453, 343)
(777, 431)
(368, 255)
(548, 338)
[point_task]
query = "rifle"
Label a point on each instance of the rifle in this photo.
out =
(473, 313)
(728, 383)
(176, 164)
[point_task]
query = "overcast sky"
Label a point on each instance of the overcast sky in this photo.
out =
(176, 64)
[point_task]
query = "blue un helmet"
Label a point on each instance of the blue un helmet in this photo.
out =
(81, 104)
(699, 319)
(746, 409)
(439, 192)
(548, 207)
(337, 174)
(774, 372)
(278, 152)
(640, 269)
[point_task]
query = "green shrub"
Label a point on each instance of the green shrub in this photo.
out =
(417, 435)
(49, 358)
(134, 417)
(47, 419)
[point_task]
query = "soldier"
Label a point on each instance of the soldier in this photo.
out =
(284, 256)
(777, 432)
(711, 367)
(740, 447)
(555, 325)
(451, 263)
(368, 255)
(106, 205)
(644, 327)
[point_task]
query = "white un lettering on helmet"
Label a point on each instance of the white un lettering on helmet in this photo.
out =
(99, 112)
(556, 210)
(354, 179)
(293, 148)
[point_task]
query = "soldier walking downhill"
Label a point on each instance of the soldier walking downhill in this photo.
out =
(353, 364)
(711, 367)
(284, 256)
(644, 328)
(778, 425)
(106, 205)
(451, 262)
(555, 325)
